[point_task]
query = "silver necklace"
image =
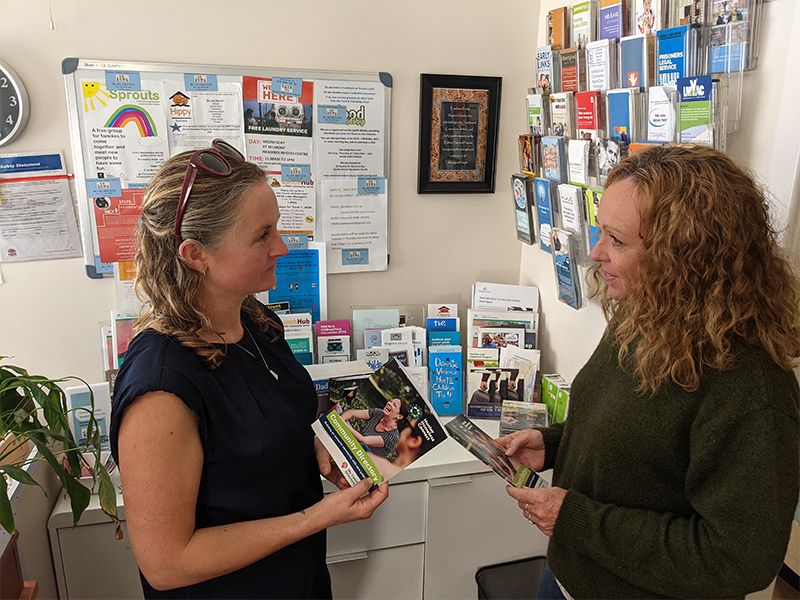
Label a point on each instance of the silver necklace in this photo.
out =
(273, 373)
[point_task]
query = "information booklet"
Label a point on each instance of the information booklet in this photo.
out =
(584, 22)
(573, 69)
(613, 19)
(379, 427)
(601, 65)
(548, 70)
(697, 115)
(661, 119)
(557, 28)
(638, 60)
(562, 114)
(484, 447)
(522, 186)
(546, 209)
(568, 280)
(538, 112)
(677, 53)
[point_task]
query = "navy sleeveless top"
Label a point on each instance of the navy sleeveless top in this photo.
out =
(258, 450)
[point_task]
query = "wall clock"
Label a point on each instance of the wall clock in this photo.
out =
(14, 105)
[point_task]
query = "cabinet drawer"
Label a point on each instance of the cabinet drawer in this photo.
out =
(379, 574)
(399, 521)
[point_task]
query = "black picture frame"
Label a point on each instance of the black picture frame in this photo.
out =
(458, 124)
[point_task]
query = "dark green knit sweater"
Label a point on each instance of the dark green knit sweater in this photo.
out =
(682, 495)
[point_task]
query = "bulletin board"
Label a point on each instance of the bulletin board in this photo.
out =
(323, 137)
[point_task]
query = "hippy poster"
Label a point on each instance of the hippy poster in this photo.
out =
(201, 108)
(278, 117)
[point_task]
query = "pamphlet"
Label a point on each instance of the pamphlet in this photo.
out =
(479, 443)
(380, 426)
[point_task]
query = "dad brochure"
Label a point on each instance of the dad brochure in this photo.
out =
(381, 427)
(482, 445)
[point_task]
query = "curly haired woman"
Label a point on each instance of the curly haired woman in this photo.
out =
(676, 472)
(212, 413)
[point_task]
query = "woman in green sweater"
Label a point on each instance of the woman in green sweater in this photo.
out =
(676, 473)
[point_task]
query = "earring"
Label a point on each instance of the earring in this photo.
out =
(203, 272)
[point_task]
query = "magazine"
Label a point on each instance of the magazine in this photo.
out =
(479, 443)
(380, 425)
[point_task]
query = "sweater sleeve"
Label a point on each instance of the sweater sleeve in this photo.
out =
(552, 438)
(742, 484)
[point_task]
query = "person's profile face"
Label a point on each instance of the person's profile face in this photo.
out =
(246, 259)
(620, 248)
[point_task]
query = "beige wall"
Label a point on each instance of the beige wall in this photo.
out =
(440, 244)
(768, 142)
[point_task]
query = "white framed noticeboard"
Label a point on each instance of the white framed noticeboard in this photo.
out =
(322, 136)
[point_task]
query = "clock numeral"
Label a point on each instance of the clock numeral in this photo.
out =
(10, 119)
(3, 82)
(12, 100)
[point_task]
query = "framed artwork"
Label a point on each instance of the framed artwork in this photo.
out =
(458, 122)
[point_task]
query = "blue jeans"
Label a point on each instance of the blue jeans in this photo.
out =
(548, 588)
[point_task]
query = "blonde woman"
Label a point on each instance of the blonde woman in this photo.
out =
(676, 472)
(211, 425)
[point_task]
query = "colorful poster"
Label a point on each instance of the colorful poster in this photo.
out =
(117, 218)
(349, 132)
(278, 126)
(126, 129)
(302, 282)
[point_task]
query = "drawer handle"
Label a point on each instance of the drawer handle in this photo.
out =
(340, 558)
(443, 481)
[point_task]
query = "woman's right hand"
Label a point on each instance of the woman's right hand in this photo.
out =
(352, 504)
(527, 446)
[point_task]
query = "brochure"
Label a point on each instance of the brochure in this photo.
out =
(380, 426)
(479, 443)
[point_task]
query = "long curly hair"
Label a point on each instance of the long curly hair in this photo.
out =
(166, 285)
(712, 277)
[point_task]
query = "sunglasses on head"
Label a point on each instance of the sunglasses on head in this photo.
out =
(213, 161)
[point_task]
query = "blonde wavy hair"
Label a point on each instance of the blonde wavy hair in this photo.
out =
(712, 277)
(167, 285)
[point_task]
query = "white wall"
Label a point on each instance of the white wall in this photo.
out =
(440, 244)
(768, 142)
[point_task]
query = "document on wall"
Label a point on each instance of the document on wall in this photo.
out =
(302, 281)
(202, 107)
(126, 123)
(355, 224)
(37, 218)
(278, 116)
(349, 131)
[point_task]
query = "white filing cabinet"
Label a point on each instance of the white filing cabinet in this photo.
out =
(446, 516)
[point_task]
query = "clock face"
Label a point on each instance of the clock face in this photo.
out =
(14, 108)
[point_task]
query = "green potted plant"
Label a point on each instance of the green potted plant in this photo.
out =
(34, 408)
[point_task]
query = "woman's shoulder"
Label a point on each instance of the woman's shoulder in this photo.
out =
(756, 382)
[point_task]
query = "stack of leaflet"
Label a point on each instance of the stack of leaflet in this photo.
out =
(593, 196)
(333, 341)
(555, 395)
(298, 333)
(323, 374)
(678, 53)
(601, 65)
(624, 114)
(548, 70)
(538, 112)
(522, 187)
(502, 316)
(573, 70)
(573, 218)
(554, 158)
(546, 210)
(661, 113)
(638, 68)
(562, 114)
(445, 359)
(568, 282)
(700, 115)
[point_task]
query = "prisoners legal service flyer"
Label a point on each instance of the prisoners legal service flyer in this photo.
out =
(379, 426)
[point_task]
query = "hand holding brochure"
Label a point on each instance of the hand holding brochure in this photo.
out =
(482, 445)
(380, 428)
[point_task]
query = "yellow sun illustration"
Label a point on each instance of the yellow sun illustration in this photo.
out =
(91, 89)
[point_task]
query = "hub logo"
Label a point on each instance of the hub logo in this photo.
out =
(357, 116)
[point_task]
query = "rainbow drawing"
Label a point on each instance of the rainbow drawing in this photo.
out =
(125, 114)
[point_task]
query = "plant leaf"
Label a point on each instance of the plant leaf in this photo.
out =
(108, 498)
(6, 512)
(19, 474)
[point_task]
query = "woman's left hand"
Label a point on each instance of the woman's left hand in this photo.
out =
(327, 467)
(540, 506)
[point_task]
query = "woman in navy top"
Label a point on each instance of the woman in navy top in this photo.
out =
(211, 425)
